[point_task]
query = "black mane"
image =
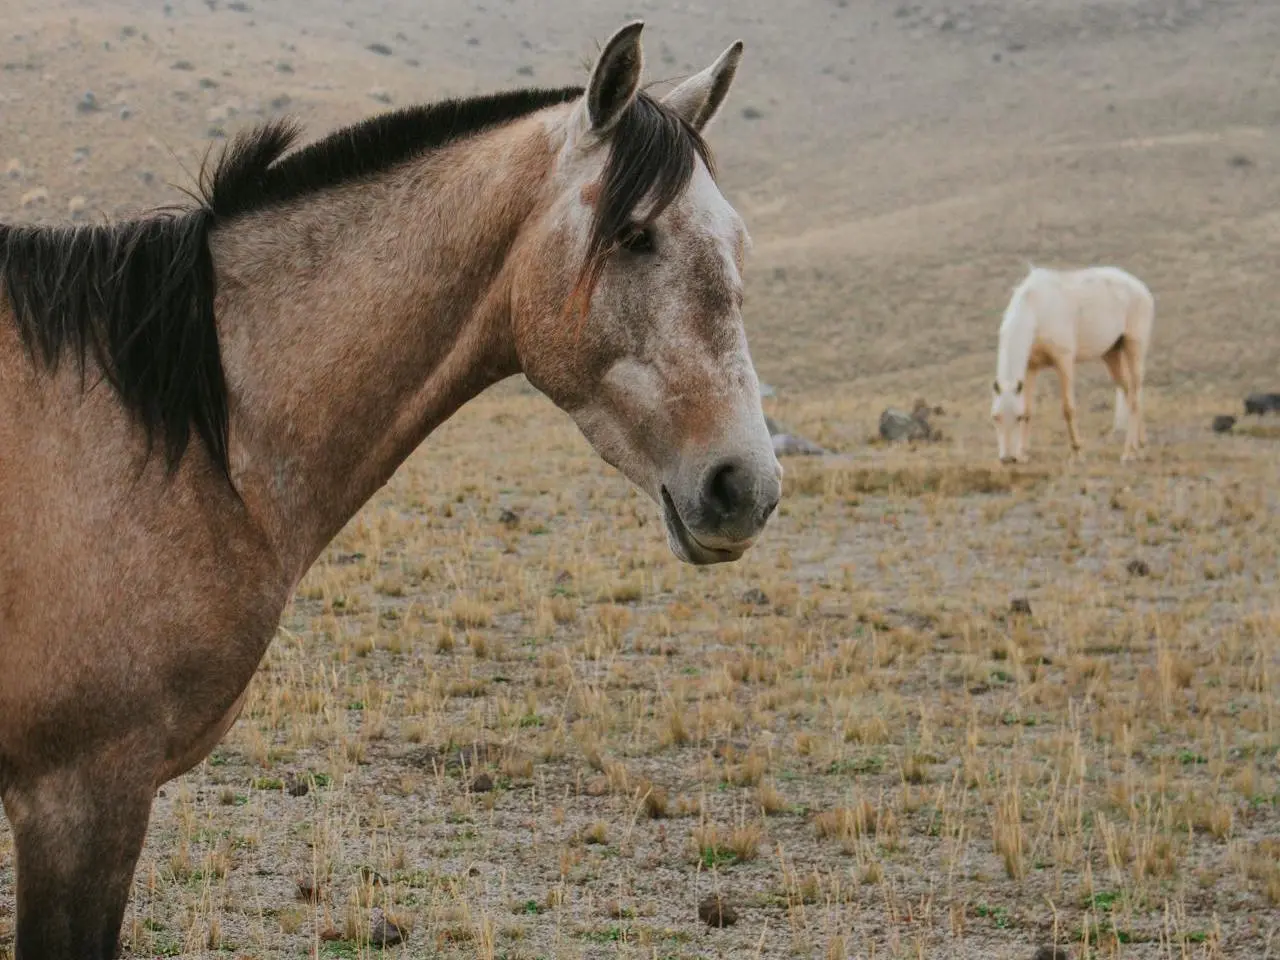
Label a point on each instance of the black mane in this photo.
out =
(139, 296)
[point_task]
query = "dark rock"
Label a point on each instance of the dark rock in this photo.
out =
(1223, 423)
(87, 103)
(1138, 568)
(1020, 605)
(897, 425)
(183, 65)
(482, 784)
(1260, 403)
(1052, 953)
(756, 597)
(381, 49)
(385, 932)
(509, 518)
(751, 113)
(715, 911)
(298, 787)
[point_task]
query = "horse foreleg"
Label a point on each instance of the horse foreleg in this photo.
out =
(1066, 382)
(78, 831)
(1029, 392)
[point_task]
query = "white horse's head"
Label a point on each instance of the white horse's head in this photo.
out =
(1008, 411)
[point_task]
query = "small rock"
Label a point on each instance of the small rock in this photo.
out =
(1223, 423)
(284, 66)
(385, 932)
(756, 597)
(1260, 403)
(88, 103)
(1239, 161)
(208, 83)
(183, 65)
(1138, 567)
(897, 425)
(299, 787)
(1020, 605)
(380, 94)
(508, 518)
(789, 445)
(524, 70)
(33, 198)
(1052, 953)
(482, 783)
(381, 49)
(751, 113)
(715, 911)
(125, 113)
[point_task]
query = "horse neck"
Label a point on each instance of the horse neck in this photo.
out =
(356, 322)
(1017, 336)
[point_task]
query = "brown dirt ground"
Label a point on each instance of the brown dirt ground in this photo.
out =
(871, 757)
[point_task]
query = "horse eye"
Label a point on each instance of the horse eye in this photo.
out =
(636, 239)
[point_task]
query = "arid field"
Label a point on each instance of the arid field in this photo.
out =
(944, 709)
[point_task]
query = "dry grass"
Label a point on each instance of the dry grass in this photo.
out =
(882, 752)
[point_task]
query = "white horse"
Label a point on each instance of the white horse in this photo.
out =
(1055, 318)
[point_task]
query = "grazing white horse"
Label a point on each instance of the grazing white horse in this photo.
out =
(1055, 318)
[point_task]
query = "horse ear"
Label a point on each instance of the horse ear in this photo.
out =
(700, 97)
(615, 79)
(1018, 389)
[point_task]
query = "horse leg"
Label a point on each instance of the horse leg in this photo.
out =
(78, 831)
(1028, 391)
(1066, 382)
(1136, 435)
(1118, 368)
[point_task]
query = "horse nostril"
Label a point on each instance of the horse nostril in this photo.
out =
(728, 490)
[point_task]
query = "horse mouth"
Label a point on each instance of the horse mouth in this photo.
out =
(685, 545)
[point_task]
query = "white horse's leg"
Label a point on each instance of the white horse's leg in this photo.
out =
(1066, 382)
(1122, 411)
(1119, 370)
(1028, 397)
(1135, 435)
